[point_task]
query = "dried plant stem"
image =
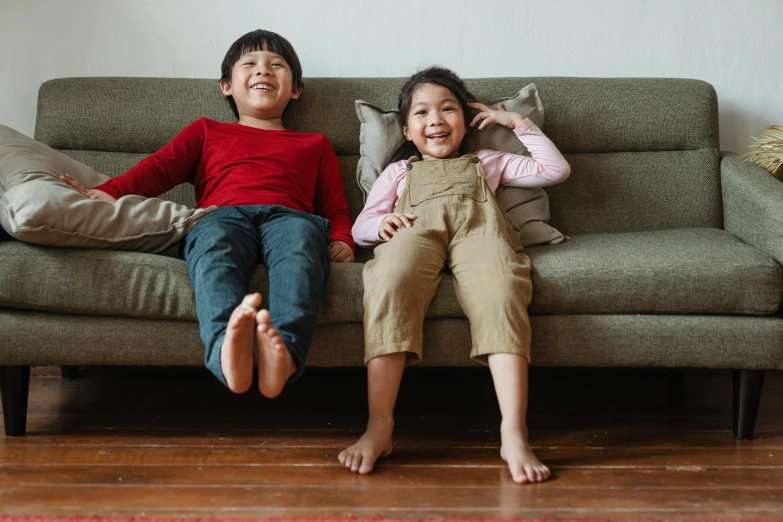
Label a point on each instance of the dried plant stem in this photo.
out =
(769, 151)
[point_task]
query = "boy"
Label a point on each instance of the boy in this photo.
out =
(281, 203)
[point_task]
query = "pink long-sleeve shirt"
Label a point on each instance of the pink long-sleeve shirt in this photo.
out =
(545, 166)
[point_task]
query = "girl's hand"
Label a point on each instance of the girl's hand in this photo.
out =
(500, 116)
(97, 195)
(341, 252)
(394, 221)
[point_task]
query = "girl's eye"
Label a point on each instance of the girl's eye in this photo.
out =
(418, 113)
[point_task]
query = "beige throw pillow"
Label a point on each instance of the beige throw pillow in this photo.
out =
(36, 207)
(528, 208)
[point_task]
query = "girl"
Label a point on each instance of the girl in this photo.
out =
(434, 208)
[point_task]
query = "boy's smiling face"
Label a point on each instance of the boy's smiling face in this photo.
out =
(261, 85)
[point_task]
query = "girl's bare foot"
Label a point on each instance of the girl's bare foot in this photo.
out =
(374, 444)
(516, 451)
(236, 353)
(275, 364)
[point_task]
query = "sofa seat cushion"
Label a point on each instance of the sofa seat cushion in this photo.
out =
(683, 271)
(693, 271)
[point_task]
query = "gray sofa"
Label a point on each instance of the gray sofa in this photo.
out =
(674, 258)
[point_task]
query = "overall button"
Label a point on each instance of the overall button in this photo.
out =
(408, 167)
(474, 159)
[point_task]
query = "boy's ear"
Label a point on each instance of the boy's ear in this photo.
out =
(225, 87)
(296, 93)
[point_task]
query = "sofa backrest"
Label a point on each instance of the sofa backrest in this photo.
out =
(643, 152)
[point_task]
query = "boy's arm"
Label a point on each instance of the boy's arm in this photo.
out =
(330, 200)
(163, 170)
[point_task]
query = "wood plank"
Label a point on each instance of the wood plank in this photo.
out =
(508, 497)
(659, 438)
(424, 423)
(445, 457)
(388, 476)
(444, 513)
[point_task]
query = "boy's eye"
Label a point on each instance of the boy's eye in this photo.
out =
(248, 63)
(278, 64)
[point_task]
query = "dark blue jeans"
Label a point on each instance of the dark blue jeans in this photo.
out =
(224, 248)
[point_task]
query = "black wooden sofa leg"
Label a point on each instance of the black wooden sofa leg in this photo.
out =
(747, 393)
(69, 372)
(14, 387)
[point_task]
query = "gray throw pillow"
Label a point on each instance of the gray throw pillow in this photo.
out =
(36, 207)
(528, 208)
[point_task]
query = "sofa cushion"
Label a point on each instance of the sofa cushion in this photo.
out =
(683, 271)
(692, 271)
(583, 114)
(37, 207)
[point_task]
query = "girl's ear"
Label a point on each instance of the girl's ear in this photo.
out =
(406, 133)
(225, 87)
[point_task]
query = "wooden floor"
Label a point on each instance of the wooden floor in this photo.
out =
(174, 443)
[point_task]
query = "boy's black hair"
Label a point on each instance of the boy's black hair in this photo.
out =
(260, 40)
(434, 75)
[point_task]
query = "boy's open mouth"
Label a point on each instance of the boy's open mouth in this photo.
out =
(262, 87)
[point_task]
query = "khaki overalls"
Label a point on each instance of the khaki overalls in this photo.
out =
(459, 225)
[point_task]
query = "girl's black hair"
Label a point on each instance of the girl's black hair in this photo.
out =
(260, 40)
(436, 76)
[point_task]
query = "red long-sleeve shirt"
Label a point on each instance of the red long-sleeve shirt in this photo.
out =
(231, 164)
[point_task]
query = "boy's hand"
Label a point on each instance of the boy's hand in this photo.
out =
(97, 195)
(500, 116)
(341, 252)
(394, 221)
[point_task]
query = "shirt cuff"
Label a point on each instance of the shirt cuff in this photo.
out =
(524, 127)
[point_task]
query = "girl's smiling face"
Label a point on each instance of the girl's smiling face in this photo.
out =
(435, 122)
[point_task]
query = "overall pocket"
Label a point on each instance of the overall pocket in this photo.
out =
(467, 185)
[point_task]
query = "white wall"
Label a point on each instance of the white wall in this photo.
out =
(735, 45)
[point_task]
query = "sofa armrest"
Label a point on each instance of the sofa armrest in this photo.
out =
(752, 205)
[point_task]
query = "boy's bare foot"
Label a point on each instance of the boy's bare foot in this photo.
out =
(374, 444)
(236, 353)
(516, 451)
(275, 364)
